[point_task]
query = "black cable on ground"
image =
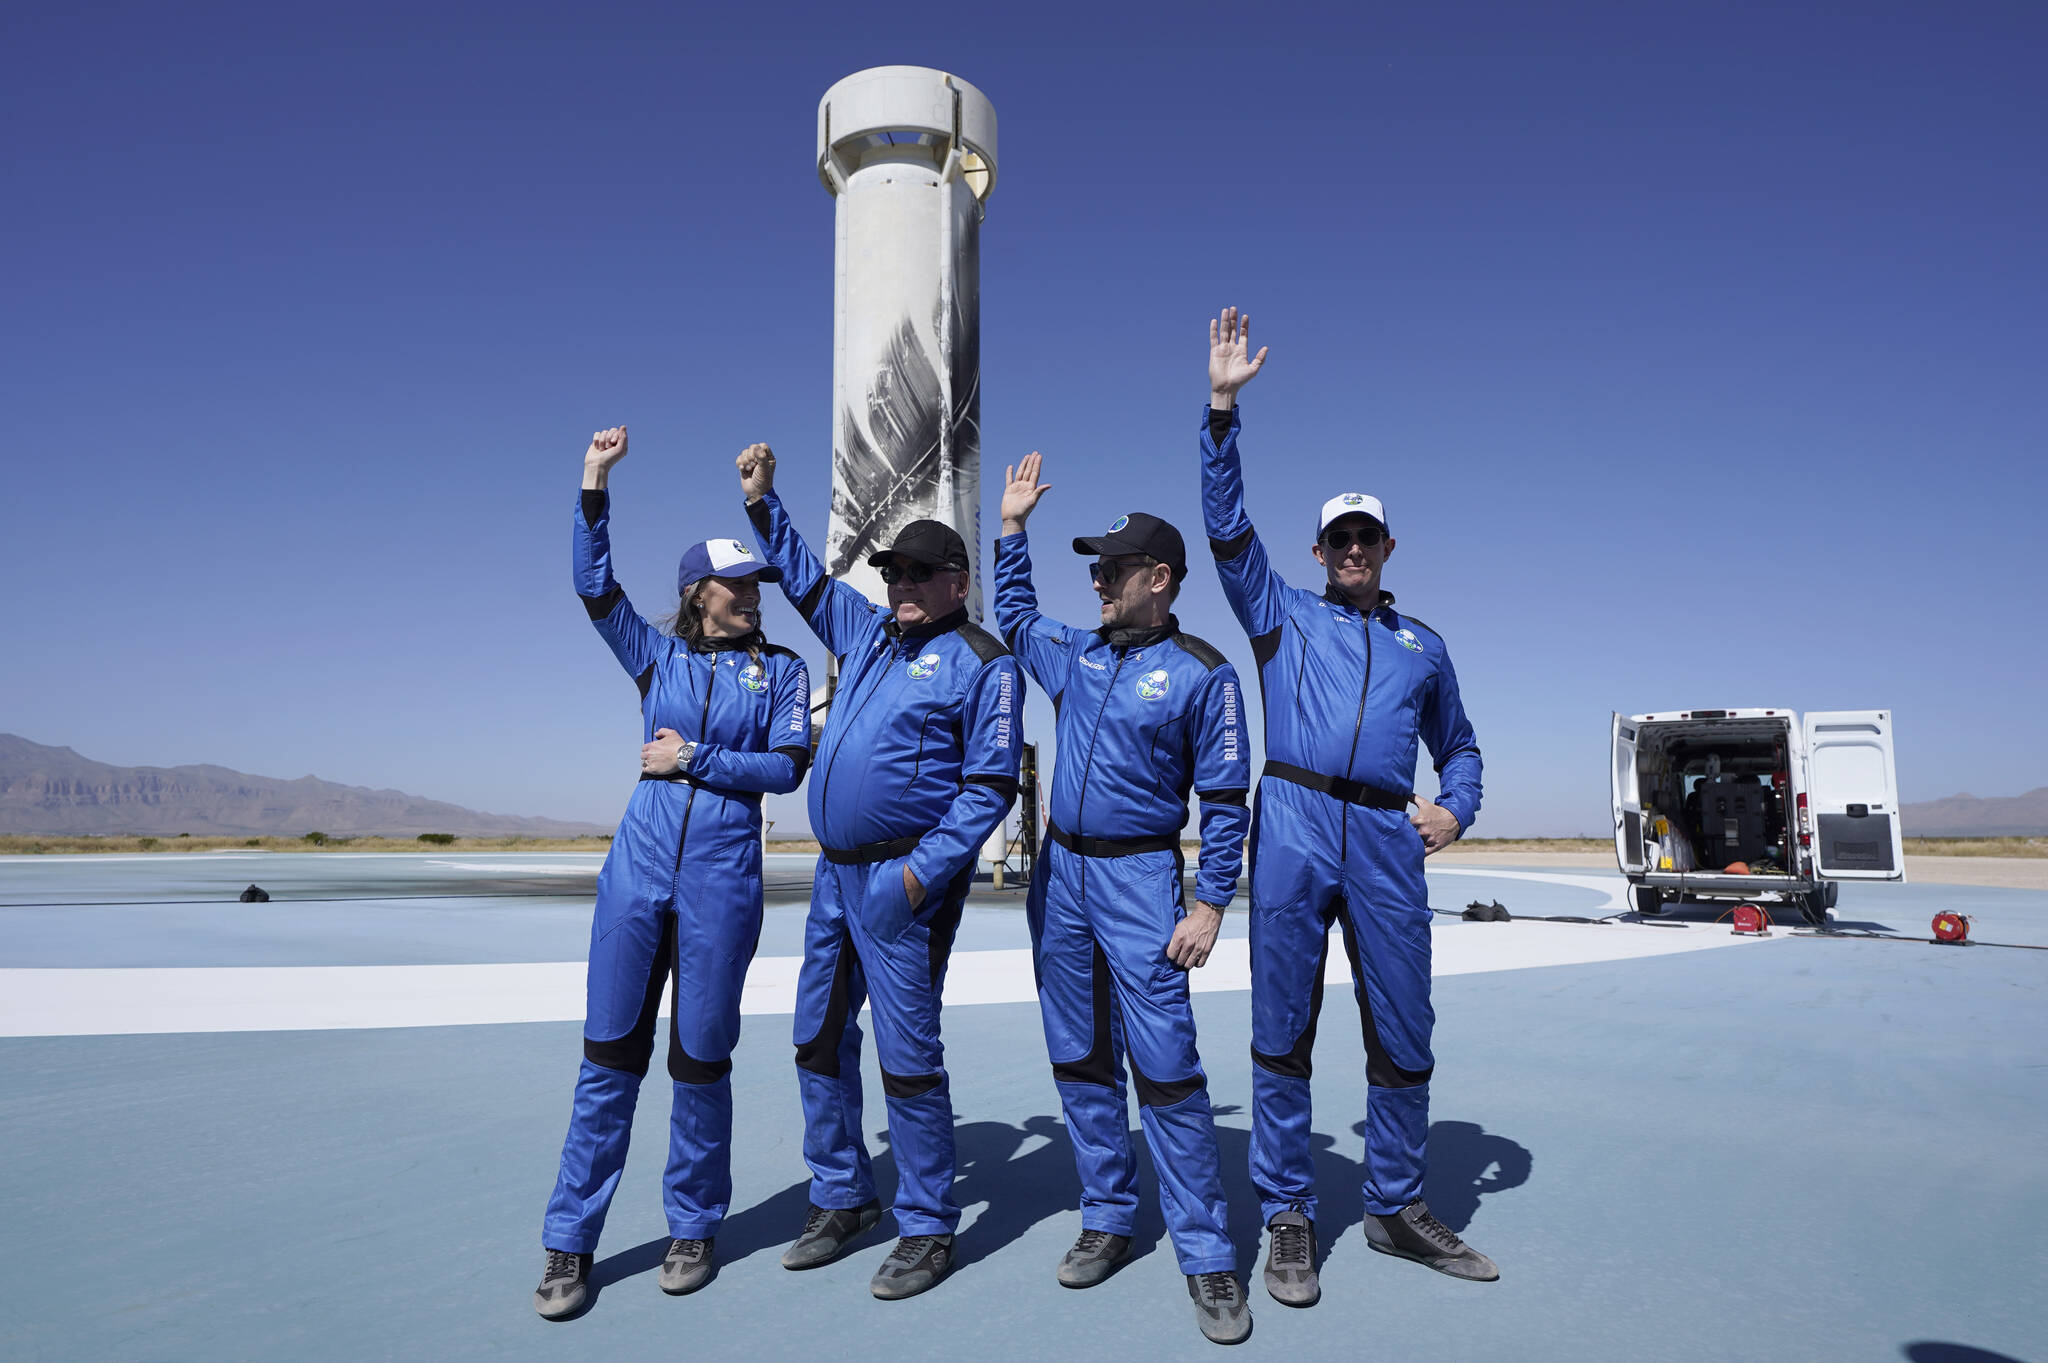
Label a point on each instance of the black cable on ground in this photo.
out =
(1897, 937)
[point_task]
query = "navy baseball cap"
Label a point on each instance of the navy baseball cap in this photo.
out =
(933, 543)
(721, 558)
(1139, 533)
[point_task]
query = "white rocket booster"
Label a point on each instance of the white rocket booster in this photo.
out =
(909, 155)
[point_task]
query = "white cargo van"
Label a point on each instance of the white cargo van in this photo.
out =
(1792, 807)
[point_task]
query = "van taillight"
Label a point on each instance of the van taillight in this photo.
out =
(1805, 823)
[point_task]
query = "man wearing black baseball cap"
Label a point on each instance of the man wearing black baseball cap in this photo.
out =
(1145, 714)
(916, 767)
(1352, 689)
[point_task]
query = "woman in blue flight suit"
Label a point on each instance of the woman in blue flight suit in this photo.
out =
(727, 716)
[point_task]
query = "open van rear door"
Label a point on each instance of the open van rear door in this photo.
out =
(1852, 792)
(1628, 808)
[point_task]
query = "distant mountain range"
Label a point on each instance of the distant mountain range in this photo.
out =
(1966, 816)
(54, 792)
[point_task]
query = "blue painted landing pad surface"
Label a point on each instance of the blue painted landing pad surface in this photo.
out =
(1802, 1149)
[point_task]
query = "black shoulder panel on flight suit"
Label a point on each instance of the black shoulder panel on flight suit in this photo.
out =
(1201, 650)
(985, 645)
(601, 606)
(780, 650)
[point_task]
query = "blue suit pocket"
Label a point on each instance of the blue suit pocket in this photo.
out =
(886, 910)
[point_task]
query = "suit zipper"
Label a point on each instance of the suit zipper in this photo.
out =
(703, 720)
(1081, 805)
(1357, 728)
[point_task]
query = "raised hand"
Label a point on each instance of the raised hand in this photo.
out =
(757, 471)
(1231, 363)
(1021, 491)
(606, 449)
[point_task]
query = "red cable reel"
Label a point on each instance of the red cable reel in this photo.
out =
(1952, 928)
(1751, 921)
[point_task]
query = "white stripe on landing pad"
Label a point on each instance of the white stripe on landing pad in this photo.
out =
(312, 998)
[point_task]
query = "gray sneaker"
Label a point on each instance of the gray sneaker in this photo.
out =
(915, 1265)
(1413, 1233)
(1220, 1307)
(1095, 1256)
(828, 1231)
(1291, 1260)
(687, 1267)
(564, 1285)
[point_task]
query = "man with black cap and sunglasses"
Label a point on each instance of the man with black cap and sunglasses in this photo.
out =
(1350, 686)
(1145, 714)
(916, 767)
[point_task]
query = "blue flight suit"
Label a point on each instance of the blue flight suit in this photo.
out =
(1346, 698)
(680, 891)
(1143, 717)
(916, 767)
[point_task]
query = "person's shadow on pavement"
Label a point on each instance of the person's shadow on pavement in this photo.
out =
(769, 1224)
(1466, 1163)
(1017, 1190)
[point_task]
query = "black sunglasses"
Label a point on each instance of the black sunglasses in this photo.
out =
(893, 573)
(1340, 540)
(1106, 574)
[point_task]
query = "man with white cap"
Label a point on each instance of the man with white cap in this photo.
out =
(1351, 686)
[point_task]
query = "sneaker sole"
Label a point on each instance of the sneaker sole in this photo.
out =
(1227, 1340)
(1389, 1250)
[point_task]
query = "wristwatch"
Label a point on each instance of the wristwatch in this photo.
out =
(684, 754)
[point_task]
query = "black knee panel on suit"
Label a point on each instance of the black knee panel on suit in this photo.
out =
(1099, 1065)
(631, 1053)
(628, 1054)
(1383, 1073)
(1153, 1093)
(820, 1055)
(1294, 1062)
(1380, 1069)
(908, 1085)
(685, 1068)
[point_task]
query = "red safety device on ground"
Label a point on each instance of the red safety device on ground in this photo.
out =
(1752, 921)
(1953, 928)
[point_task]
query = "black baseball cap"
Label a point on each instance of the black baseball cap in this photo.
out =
(1139, 533)
(933, 543)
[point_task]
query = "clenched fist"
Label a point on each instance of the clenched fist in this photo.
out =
(757, 471)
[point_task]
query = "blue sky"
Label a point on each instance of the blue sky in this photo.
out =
(1696, 351)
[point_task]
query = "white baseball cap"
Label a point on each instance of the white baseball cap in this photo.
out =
(721, 558)
(1350, 504)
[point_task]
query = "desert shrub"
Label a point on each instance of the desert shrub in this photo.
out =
(438, 839)
(317, 838)
(149, 844)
